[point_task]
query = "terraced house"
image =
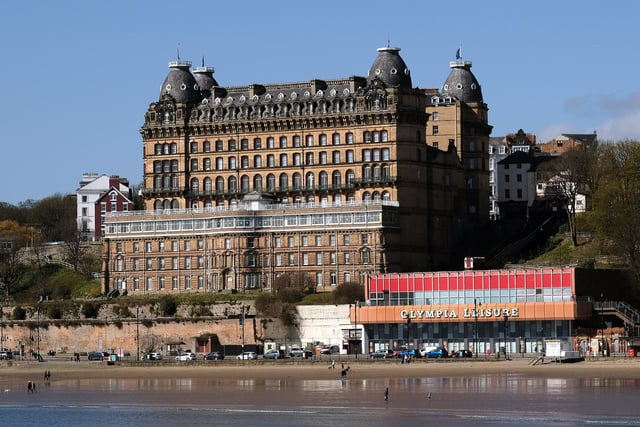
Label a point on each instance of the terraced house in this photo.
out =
(331, 178)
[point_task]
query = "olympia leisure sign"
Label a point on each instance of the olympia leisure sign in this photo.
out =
(468, 313)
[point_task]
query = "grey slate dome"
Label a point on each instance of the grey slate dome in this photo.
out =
(204, 77)
(461, 83)
(390, 68)
(181, 84)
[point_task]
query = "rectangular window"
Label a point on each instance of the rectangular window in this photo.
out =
(365, 239)
(161, 263)
(332, 258)
(174, 245)
(174, 263)
(187, 282)
(187, 245)
(291, 259)
(187, 262)
(305, 241)
(227, 243)
(318, 279)
(332, 240)
(305, 258)
(318, 258)
(318, 240)
(519, 177)
(174, 282)
(149, 263)
(149, 248)
(507, 194)
(346, 239)
(290, 240)
(136, 247)
(347, 258)
(435, 130)
(333, 278)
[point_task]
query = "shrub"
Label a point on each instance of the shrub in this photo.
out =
(168, 306)
(90, 310)
(19, 313)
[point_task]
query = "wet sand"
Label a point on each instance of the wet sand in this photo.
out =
(317, 370)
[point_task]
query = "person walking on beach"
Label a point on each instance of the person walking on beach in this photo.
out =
(386, 394)
(29, 387)
(333, 364)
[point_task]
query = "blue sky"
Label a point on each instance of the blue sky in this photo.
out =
(78, 76)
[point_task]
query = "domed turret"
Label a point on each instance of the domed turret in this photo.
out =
(204, 77)
(390, 68)
(181, 84)
(461, 83)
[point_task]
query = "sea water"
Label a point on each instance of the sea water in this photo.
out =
(480, 400)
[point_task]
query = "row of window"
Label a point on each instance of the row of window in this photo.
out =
(368, 155)
(250, 242)
(488, 296)
(250, 260)
(189, 282)
(283, 142)
(377, 173)
(364, 218)
(323, 200)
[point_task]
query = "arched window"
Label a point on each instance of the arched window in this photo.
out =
(271, 182)
(194, 147)
(386, 174)
(157, 205)
(175, 204)
(233, 184)
(194, 164)
(166, 181)
(366, 136)
(336, 179)
(324, 180)
(166, 166)
(219, 184)
(174, 148)
(283, 160)
(384, 135)
(257, 182)
(284, 182)
(376, 173)
(194, 185)
(336, 138)
(310, 180)
(194, 204)
(366, 196)
(351, 197)
(297, 181)
(244, 184)
(366, 173)
(207, 164)
(157, 182)
(309, 140)
(157, 167)
(174, 181)
(351, 178)
(232, 162)
(257, 161)
(310, 198)
(219, 145)
(207, 185)
(386, 196)
(257, 143)
(376, 196)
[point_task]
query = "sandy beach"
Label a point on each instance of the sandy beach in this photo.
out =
(318, 370)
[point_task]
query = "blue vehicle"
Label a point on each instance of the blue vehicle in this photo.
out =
(437, 353)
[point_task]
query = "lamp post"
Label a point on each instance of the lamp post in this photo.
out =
(476, 304)
(506, 325)
(355, 315)
(38, 342)
(1, 328)
(137, 333)
(602, 322)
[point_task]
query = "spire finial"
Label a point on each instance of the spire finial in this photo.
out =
(388, 40)
(178, 51)
(203, 60)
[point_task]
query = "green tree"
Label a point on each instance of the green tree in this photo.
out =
(348, 293)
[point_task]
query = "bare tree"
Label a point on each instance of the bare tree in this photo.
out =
(572, 174)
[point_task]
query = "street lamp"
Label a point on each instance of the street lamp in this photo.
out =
(355, 315)
(1, 328)
(476, 304)
(602, 322)
(506, 325)
(137, 333)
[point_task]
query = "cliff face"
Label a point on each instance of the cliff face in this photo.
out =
(200, 330)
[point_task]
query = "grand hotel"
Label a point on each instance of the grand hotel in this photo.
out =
(332, 178)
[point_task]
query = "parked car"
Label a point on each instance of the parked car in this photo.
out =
(6, 355)
(330, 349)
(380, 354)
(462, 353)
(247, 355)
(296, 352)
(404, 353)
(97, 355)
(272, 354)
(154, 356)
(184, 357)
(214, 355)
(438, 353)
